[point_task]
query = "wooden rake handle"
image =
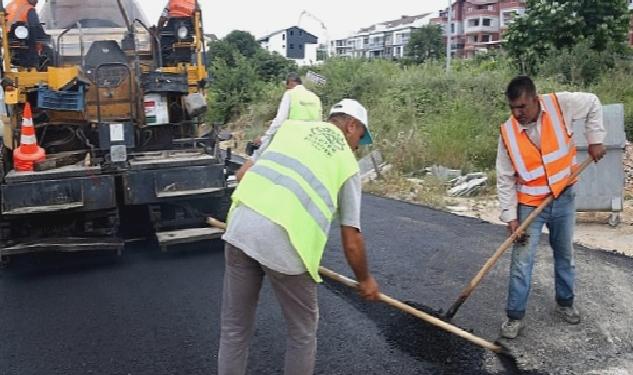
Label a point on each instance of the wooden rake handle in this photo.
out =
(417, 313)
(506, 245)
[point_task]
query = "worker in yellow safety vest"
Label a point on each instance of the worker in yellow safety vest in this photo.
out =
(535, 158)
(282, 212)
(297, 103)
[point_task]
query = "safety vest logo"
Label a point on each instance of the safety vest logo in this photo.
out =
(307, 104)
(326, 140)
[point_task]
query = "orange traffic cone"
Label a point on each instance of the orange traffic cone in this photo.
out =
(28, 152)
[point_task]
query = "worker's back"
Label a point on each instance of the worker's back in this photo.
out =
(304, 105)
(181, 8)
(17, 11)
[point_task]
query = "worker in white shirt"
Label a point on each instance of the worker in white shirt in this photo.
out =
(297, 103)
(535, 157)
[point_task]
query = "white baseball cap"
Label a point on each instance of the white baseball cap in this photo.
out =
(356, 110)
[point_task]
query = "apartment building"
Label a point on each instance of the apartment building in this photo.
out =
(478, 25)
(385, 40)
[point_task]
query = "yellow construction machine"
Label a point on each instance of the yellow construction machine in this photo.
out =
(119, 109)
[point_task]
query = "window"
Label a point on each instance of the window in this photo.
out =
(292, 46)
(476, 38)
(452, 28)
(486, 21)
(485, 38)
(283, 36)
(509, 16)
(300, 32)
(292, 32)
(301, 47)
(473, 22)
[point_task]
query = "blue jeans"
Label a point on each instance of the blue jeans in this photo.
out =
(560, 218)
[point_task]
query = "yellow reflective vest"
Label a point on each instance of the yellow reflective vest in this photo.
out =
(295, 184)
(304, 105)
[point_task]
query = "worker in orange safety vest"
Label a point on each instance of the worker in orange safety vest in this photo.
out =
(535, 158)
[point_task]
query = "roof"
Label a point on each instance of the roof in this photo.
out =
(271, 34)
(265, 37)
(403, 20)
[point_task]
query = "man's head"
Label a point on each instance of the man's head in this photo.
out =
(33, 2)
(293, 80)
(523, 100)
(351, 117)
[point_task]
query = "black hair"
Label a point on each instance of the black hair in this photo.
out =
(519, 86)
(293, 77)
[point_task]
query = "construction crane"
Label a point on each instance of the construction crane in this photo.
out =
(327, 37)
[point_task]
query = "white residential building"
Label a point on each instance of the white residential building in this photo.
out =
(292, 43)
(383, 40)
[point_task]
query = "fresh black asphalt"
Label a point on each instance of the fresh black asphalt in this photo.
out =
(152, 313)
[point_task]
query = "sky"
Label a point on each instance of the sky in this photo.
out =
(340, 17)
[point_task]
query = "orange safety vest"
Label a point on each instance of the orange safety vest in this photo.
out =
(545, 171)
(17, 11)
(181, 8)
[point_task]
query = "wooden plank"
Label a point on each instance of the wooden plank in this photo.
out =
(64, 245)
(188, 235)
(53, 174)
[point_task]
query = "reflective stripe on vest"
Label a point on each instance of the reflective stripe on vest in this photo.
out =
(295, 184)
(546, 170)
(305, 172)
(559, 128)
(304, 105)
(289, 183)
(519, 163)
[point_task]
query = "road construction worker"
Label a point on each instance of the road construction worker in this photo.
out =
(297, 103)
(177, 9)
(24, 11)
(282, 211)
(535, 157)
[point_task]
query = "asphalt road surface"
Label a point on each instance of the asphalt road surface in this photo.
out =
(153, 313)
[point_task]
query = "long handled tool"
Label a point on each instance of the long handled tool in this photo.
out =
(399, 305)
(506, 245)
(417, 313)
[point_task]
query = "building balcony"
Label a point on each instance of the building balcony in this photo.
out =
(481, 29)
(511, 4)
(481, 12)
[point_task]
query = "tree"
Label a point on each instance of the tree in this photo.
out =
(233, 87)
(553, 25)
(243, 41)
(272, 66)
(425, 43)
(221, 50)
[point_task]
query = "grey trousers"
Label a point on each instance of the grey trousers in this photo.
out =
(297, 295)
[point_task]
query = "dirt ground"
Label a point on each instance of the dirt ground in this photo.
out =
(592, 229)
